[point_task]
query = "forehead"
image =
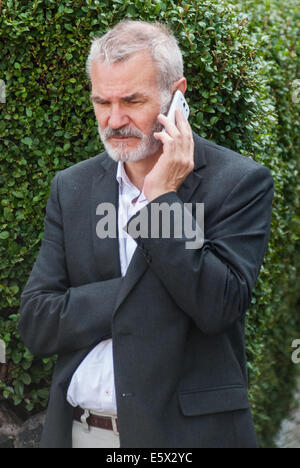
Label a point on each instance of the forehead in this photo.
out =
(138, 73)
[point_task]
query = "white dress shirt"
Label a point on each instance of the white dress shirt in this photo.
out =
(92, 385)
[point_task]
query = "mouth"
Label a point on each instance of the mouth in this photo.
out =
(121, 138)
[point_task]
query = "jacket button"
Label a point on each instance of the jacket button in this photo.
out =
(126, 395)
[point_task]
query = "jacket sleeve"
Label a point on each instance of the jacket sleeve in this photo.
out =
(213, 284)
(55, 317)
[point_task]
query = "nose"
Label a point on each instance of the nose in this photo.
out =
(117, 117)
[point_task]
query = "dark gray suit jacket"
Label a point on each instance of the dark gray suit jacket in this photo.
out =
(177, 318)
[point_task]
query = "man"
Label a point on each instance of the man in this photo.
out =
(149, 333)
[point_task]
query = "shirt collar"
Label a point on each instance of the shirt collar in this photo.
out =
(122, 177)
(125, 182)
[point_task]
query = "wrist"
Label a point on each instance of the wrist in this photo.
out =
(152, 194)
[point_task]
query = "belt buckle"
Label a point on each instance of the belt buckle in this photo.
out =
(83, 420)
(114, 425)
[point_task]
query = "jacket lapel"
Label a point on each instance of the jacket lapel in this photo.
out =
(136, 269)
(105, 190)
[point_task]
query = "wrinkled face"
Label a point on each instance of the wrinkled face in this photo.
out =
(127, 101)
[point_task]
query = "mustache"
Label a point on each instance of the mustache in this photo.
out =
(122, 132)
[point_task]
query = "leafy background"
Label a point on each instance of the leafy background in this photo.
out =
(241, 62)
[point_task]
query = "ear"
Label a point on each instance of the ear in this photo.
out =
(180, 85)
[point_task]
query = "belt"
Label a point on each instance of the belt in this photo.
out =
(101, 422)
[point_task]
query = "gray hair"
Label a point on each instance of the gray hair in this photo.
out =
(129, 37)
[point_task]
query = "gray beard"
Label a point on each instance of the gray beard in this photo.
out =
(147, 145)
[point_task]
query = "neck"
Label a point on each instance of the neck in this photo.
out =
(137, 171)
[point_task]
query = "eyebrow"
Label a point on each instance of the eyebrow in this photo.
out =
(130, 97)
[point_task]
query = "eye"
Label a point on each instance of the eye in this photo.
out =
(100, 102)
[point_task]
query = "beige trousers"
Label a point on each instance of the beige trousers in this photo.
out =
(93, 437)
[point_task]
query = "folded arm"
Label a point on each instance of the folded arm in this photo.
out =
(213, 284)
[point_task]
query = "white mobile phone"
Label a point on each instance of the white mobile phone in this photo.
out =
(178, 102)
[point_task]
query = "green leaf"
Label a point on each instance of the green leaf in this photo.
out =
(43, 393)
(27, 141)
(26, 379)
(15, 289)
(4, 235)
(16, 357)
(29, 407)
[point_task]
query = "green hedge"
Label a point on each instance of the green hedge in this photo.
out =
(240, 73)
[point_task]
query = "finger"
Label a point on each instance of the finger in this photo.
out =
(170, 128)
(163, 137)
(186, 133)
(182, 123)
